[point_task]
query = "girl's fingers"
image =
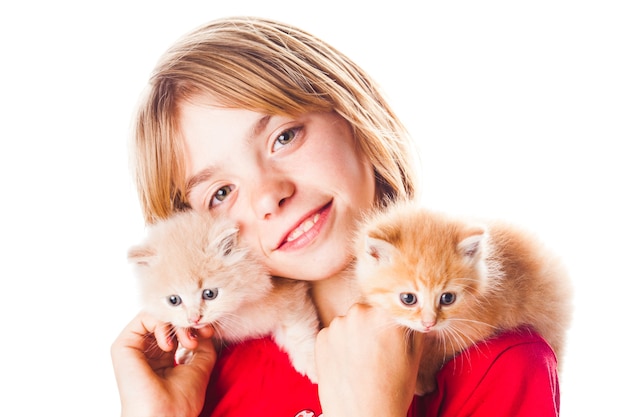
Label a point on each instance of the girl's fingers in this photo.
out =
(202, 361)
(189, 338)
(164, 335)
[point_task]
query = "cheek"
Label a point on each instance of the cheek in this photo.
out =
(361, 183)
(367, 187)
(353, 184)
(352, 165)
(249, 238)
(341, 160)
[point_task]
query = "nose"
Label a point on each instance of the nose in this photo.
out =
(194, 318)
(428, 324)
(270, 194)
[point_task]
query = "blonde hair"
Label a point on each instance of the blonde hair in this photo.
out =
(269, 67)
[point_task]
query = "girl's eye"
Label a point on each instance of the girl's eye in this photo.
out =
(220, 195)
(209, 294)
(174, 300)
(447, 298)
(408, 298)
(285, 138)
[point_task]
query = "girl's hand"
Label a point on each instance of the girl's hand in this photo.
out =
(148, 382)
(367, 366)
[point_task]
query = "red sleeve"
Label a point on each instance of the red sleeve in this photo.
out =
(513, 375)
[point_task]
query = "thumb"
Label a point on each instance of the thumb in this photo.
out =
(203, 360)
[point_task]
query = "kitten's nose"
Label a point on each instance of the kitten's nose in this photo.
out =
(428, 324)
(194, 319)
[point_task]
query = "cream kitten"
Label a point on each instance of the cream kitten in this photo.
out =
(192, 273)
(459, 282)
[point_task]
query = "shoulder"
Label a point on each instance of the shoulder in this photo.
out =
(516, 346)
(518, 353)
(513, 374)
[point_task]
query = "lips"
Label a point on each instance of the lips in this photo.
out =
(306, 229)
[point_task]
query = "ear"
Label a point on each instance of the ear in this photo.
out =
(378, 250)
(471, 246)
(226, 241)
(141, 255)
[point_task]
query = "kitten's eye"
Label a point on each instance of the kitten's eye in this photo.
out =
(408, 298)
(285, 138)
(174, 300)
(209, 294)
(447, 298)
(220, 195)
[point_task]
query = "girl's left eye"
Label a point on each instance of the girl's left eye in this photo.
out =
(285, 138)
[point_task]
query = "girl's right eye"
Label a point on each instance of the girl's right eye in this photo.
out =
(220, 195)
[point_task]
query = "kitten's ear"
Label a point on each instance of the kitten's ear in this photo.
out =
(141, 255)
(226, 241)
(379, 250)
(470, 247)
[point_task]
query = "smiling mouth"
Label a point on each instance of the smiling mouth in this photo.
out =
(305, 230)
(304, 227)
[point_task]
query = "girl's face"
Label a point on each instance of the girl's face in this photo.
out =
(295, 186)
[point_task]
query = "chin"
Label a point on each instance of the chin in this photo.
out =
(315, 265)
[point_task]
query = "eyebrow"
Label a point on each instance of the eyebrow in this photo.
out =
(198, 178)
(259, 126)
(207, 173)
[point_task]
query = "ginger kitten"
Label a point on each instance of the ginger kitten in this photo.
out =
(192, 272)
(459, 282)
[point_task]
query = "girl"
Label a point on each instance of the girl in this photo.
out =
(276, 129)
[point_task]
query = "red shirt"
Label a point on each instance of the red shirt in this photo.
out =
(513, 374)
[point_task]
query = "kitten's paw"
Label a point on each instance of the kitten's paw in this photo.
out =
(183, 355)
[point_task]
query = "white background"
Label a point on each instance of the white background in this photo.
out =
(518, 110)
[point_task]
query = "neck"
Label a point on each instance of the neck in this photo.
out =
(333, 296)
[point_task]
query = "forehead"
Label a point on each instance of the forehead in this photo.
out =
(210, 131)
(206, 119)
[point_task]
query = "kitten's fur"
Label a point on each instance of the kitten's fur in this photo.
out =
(459, 282)
(190, 253)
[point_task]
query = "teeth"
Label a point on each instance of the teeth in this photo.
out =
(304, 227)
